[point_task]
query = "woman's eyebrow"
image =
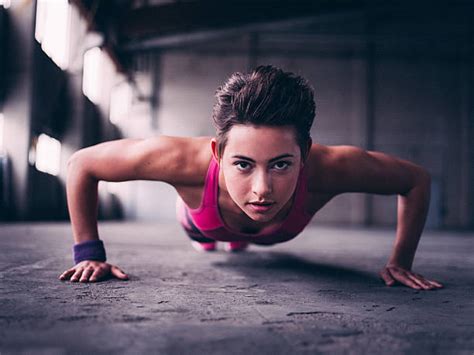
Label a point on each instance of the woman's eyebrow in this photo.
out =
(272, 159)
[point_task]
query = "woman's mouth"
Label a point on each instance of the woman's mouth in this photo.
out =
(261, 207)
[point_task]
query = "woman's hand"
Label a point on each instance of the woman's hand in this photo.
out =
(392, 274)
(92, 271)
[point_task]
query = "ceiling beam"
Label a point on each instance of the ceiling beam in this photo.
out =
(184, 22)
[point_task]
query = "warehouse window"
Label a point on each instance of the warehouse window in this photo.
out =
(5, 3)
(52, 29)
(120, 102)
(1, 132)
(91, 80)
(45, 154)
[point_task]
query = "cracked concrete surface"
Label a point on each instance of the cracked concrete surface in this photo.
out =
(318, 293)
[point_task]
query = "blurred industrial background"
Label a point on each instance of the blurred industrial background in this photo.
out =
(396, 77)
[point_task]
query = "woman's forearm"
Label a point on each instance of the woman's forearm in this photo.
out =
(82, 200)
(411, 217)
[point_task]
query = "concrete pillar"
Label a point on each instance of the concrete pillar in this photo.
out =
(467, 74)
(370, 112)
(17, 105)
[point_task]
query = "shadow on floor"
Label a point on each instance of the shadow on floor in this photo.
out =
(291, 267)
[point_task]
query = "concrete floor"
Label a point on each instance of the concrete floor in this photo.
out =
(318, 293)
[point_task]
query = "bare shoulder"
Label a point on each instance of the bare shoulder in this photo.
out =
(325, 166)
(179, 160)
(320, 167)
(346, 168)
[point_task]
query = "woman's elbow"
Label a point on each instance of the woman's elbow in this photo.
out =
(77, 164)
(422, 180)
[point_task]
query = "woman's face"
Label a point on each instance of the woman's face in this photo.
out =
(260, 166)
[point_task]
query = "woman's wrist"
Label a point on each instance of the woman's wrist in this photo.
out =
(89, 250)
(399, 263)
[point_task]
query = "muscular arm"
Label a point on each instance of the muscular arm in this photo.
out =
(355, 170)
(177, 161)
(162, 159)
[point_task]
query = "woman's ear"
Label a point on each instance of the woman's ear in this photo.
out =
(214, 148)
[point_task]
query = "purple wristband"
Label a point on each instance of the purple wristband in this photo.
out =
(90, 250)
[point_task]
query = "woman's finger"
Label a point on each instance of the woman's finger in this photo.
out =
(66, 274)
(420, 280)
(432, 283)
(96, 275)
(435, 283)
(402, 277)
(85, 275)
(119, 273)
(386, 277)
(76, 275)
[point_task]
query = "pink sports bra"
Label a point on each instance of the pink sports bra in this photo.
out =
(208, 220)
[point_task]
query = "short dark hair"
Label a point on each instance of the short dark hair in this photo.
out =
(268, 96)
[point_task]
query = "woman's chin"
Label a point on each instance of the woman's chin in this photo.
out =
(260, 217)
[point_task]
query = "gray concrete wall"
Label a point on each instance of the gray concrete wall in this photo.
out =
(419, 119)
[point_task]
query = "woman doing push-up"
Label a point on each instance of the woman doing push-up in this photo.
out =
(260, 180)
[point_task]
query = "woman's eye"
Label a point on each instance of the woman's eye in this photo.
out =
(281, 165)
(242, 165)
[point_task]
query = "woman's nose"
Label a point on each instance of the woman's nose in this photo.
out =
(262, 185)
